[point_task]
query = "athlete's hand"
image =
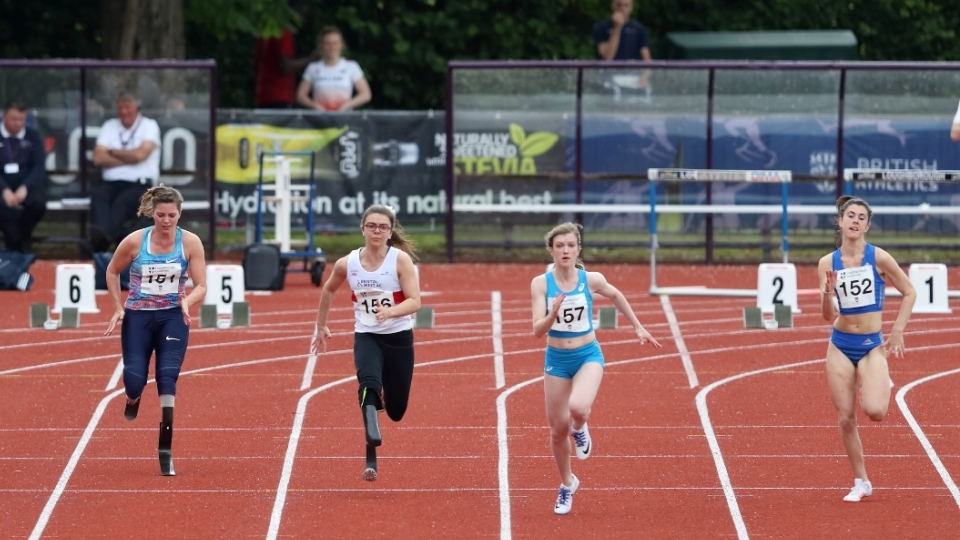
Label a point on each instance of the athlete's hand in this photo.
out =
(117, 317)
(894, 344)
(320, 337)
(383, 313)
(830, 286)
(186, 311)
(645, 336)
(557, 303)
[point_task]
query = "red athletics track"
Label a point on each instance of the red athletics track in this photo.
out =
(472, 460)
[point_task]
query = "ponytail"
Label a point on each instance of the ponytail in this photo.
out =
(157, 195)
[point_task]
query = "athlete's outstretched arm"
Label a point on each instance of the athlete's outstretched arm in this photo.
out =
(895, 275)
(333, 283)
(599, 285)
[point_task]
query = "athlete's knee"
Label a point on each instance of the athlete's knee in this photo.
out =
(847, 421)
(580, 410)
(559, 430)
(396, 412)
(875, 411)
(133, 383)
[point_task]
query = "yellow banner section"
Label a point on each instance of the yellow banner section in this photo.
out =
(240, 145)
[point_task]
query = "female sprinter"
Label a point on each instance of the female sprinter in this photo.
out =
(385, 293)
(563, 309)
(156, 315)
(855, 274)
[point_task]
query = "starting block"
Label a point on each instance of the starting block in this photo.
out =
(782, 317)
(783, 314)
(70, 317)
(607, 318)
(752, 317)
(423, 318)
(239, 316)
(39, 314)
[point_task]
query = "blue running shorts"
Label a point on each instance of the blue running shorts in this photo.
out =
(566, 363)
(855, 346)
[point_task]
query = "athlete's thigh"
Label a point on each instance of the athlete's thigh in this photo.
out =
(172, 338)
(398, 359)
(137, 339)
(556, 393)
(874, 379)
(841, 380)
(367, 355)
(586, 384)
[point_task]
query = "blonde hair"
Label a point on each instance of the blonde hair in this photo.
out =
(843, 203)
(157, 195)
(568, 228)
(397, 238)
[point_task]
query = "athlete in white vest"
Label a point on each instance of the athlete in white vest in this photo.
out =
(854, 276)
(385, 293)
(573, 367)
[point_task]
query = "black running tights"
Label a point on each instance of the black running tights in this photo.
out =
(385, 362)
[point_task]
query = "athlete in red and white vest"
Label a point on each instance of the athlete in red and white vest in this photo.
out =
(385, 293)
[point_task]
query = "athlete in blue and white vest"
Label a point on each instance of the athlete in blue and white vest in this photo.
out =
(156, 315)
(385, 293)
(853, 278)
(573, 367)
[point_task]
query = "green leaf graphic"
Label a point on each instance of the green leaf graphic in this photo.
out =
(538, 143)
(517, 135)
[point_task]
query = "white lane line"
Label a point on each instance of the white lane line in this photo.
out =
(71, 465)
(115, 378)
(276, 515)
(92, 426)
(503, 460)
(918, 431)
(291, 454)
(678, 339)
(311, 363)
(497, 339)
(715, 446)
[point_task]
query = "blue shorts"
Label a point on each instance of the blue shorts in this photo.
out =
(565, 363)
(855, 346)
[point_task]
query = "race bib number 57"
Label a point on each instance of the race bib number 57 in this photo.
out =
(573, 315)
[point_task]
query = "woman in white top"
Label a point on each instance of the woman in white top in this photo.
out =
(955, 128)
(337, 84)
(385, 293)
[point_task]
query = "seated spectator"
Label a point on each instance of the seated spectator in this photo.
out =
(620, 37)
(21, 178)
(955, 128)
(128, 150)
(337, 84)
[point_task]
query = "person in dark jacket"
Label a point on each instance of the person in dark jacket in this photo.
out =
(22, 178)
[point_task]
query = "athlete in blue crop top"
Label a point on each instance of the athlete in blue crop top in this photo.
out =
(563, 310)
(855, 276)
(156, 315)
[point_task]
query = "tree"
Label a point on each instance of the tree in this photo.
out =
(142, 29)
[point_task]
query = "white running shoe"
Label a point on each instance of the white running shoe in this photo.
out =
(565, 497)
(861, 490)
(582, 442)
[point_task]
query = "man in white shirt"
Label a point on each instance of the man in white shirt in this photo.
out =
(128, 150)
(333, 80)
(955, 129)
